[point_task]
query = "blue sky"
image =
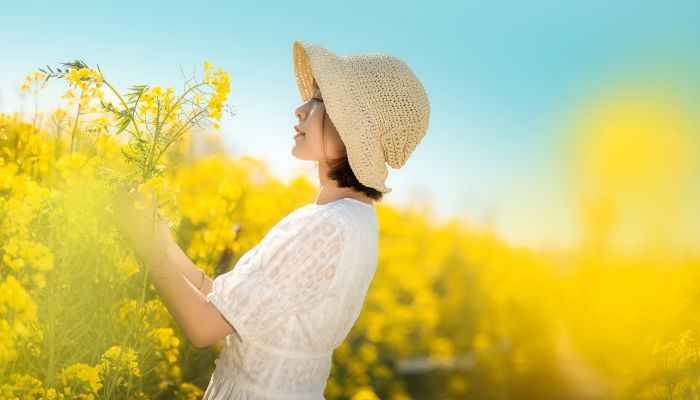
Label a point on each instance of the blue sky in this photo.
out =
(502, 77)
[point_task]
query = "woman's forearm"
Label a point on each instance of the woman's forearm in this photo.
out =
(157, 251)
(180, 295)
(190, 270)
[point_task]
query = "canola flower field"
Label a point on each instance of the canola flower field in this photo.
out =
(454, 311)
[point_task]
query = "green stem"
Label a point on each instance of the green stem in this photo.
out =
(126, 107)
(151, 165)
(175, 136)
(148, 166)
(213, 246)
(179, 99)
(36, 107)
(75, 125)
(16, 145)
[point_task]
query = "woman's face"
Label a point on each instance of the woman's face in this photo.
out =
(309, 146)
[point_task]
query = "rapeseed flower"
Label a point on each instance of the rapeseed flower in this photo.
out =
(81, 377)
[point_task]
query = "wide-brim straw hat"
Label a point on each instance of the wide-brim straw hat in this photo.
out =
(374, 100)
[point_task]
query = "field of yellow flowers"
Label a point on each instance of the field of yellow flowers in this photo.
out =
(454, 311)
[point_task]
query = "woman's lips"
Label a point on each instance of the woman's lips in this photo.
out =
(299, 132)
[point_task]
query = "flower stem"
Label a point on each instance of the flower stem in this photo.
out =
(126, 107)
(176, 135)
(148, 165)
(75, 125)
(179, 99)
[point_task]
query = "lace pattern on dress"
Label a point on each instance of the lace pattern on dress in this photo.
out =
(290, 271)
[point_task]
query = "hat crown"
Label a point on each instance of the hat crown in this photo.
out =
(396, 101)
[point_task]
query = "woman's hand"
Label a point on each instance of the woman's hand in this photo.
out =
(145, 229)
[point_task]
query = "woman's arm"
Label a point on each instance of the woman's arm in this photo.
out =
(175, 277)
(172, 277)
(193, 273)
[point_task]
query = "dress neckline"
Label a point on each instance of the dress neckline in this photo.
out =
(344, 198)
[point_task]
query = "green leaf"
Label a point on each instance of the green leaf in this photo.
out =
(122, 124)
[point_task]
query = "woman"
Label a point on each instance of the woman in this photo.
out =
(293, 298)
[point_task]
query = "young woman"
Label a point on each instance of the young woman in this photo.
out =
(292, 299)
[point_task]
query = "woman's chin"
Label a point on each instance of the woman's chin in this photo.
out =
(295, 153)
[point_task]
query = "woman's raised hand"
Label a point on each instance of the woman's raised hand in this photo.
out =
(139, 222)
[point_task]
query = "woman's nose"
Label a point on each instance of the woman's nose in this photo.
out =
(299, 112)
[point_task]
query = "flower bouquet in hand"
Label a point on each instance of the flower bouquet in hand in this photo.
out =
(155, 118)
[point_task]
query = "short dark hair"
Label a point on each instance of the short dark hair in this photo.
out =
(341, 172)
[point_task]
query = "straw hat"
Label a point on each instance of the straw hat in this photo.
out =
(376, 103)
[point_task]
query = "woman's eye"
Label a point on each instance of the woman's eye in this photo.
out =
(314, 98)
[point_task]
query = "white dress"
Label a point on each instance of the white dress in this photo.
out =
(292, 300)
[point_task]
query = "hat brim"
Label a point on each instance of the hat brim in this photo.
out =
(334, 79)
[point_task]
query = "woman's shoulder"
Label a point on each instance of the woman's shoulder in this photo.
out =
(347, 215)
(315, 214)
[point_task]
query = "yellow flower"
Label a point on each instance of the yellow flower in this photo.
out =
(59, 113)
(166, 337)
(207, 66)
(39, 280)
(84, 78)
(68, 95)
(85, 73)
(72, 76)
(189, 391)
(51, 393)
(26, 386)
(18, 253)
(365, 393)
(153, 185)
(127, 309)
(33, 79)
(122, 360)
(221, 83)
(14, 296)
(88, 377)
(157, 91)
(12, 248)
(129, 266)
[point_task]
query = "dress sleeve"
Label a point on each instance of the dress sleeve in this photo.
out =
(290, 271)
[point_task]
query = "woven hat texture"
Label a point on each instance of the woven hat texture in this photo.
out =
(374, 100)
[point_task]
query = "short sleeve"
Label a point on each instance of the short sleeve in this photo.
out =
(289, 271)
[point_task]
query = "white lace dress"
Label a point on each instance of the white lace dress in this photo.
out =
(292, 300)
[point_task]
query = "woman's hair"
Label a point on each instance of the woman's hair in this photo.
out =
(340, 170)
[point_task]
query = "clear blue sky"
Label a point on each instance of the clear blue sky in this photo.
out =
(500, 75)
